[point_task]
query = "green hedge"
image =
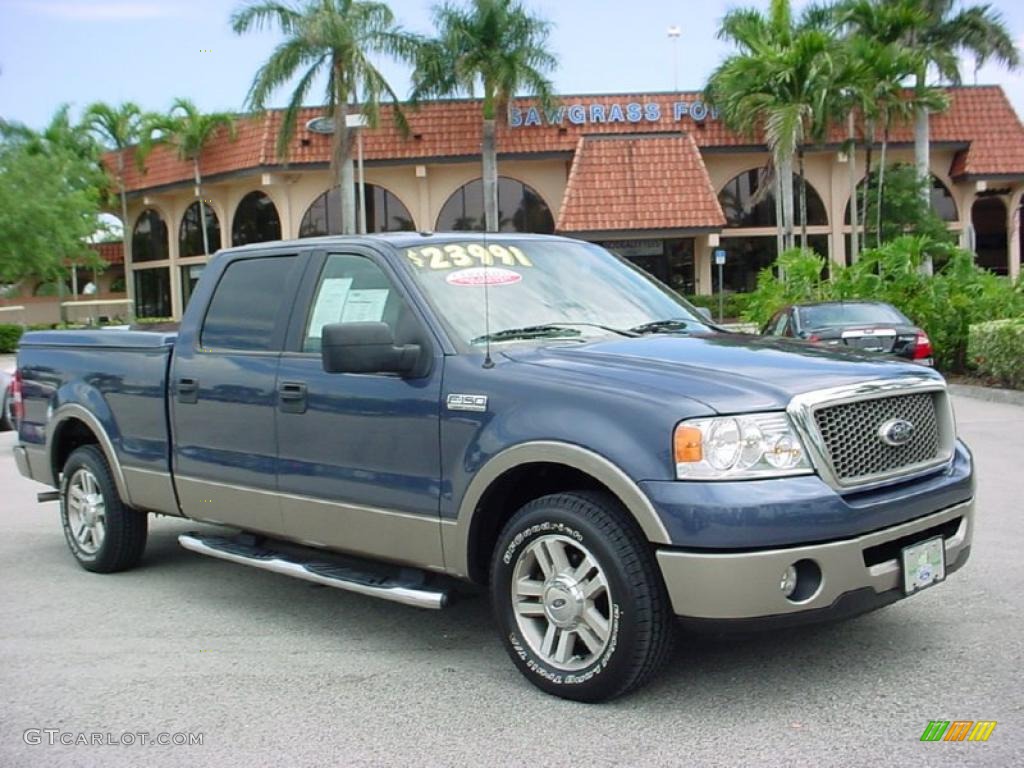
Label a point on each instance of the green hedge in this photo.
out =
(996, 350)
(734, 304)
(9, 336)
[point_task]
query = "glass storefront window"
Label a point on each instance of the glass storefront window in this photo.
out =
(746, 204)
(189, 278)
(746, 256)
(153, 292)
(384, 213)
(149, 237)
(669, 260)
(190, 236)
(520, 209)
(256, 220)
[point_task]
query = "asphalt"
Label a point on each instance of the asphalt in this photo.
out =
(275, 671)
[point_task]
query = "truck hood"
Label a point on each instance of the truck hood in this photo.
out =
(728, 373)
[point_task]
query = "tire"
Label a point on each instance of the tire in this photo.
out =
(102, 532)
(587, 632)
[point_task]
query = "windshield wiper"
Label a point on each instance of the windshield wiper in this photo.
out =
(548, 330)
(528, 332)
(663, 326)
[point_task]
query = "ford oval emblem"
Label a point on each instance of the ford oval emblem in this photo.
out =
(896, 432)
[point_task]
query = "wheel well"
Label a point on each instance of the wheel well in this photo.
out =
(72, 434)
(509, 492)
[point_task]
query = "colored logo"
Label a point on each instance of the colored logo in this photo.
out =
(896, 432)
(482, 276)
(958, 730)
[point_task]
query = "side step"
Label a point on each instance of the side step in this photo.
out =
(355, 577)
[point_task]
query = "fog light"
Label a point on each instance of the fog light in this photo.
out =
(788, 583)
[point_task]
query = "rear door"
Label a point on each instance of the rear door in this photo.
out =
(223, 394)
(358, 454)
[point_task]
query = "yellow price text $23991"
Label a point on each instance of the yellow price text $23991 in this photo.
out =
(466, 255)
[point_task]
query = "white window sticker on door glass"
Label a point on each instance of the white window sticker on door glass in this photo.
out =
(330, 303)
(365, 306)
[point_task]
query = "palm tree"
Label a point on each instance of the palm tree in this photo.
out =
(936, 33)
(189, 131)
(781, 82)
(494, 44)
(117, 128)
(336, 38)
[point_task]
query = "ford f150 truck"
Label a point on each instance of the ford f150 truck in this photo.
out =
(390, 414)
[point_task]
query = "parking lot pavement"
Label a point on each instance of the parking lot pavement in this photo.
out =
(273, 670)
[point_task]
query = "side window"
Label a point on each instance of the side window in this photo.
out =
(353, 289)
(243, 313)
(777, 323)
(785, 327)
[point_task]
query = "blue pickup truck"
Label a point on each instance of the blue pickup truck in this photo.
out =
(397, 415)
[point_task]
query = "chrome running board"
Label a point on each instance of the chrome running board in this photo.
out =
(332, 574)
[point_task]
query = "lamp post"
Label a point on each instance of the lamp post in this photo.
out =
(358, 121)
(673, 34)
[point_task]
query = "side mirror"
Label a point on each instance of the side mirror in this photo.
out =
(365, 348)
(705, 313)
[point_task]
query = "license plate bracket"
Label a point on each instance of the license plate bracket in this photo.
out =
(924, 564)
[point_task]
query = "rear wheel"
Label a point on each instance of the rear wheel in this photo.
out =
(578, 598)
(103, 534)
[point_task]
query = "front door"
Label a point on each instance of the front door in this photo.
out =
(358, 458)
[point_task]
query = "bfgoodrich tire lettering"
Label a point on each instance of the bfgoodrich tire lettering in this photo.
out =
(578, 598)
(103, 534)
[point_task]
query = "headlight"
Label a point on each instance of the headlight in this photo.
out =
(738, 447)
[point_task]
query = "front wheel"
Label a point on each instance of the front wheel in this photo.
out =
(578, 598)
(103, 534)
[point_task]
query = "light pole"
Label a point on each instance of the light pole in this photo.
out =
(358, 121)
(673, 34)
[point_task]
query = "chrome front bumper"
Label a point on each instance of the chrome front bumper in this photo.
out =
(745, 585)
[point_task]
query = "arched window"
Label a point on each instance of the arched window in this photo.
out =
(149, 237)
(746, 203)
(190, 236)
(384, 213)
(942, 202)
(256, 220)
(520, 209)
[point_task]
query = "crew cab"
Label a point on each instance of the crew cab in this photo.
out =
(396, 414)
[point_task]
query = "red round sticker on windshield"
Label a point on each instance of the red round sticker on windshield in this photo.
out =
(481, 276)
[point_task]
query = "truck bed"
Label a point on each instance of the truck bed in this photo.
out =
(120, 377)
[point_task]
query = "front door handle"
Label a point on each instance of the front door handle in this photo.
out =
(292, 397)
(188, 390)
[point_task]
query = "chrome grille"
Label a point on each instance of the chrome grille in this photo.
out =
(850, 433)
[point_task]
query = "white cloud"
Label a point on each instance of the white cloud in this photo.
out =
(87, 10)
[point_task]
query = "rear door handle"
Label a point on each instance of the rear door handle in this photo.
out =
(188, 390)
(292, 397)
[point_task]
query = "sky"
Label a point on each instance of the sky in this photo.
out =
(151, 51)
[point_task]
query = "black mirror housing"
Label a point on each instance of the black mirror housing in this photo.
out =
(365, 348)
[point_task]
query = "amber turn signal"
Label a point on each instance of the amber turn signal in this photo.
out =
(687, 445)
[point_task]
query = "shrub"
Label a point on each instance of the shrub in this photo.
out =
(944, 305)
(996, 350)
(733, 304)
(9, 336)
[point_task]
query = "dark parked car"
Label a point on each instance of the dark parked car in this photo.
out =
(869, 325)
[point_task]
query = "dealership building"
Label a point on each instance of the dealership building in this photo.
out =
(656, 177)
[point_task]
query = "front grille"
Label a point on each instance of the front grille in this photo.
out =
(850, 433)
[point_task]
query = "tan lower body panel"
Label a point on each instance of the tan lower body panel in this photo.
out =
(747, 584)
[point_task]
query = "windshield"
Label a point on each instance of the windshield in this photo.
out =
(825, 315)
(543, 289)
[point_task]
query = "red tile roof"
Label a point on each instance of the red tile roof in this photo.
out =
(112, 253)
(645, 181)
(978, 116)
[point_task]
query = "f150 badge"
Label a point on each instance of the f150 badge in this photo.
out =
(467, 402)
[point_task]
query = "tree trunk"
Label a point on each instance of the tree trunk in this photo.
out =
(852, 171)
(202, 208)
(921, 144)
(129, 282)
(786, 168)
(867, 178)
(780, 244)
(341, 155)
(803, 199)
(490, 176)
(881, 185)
